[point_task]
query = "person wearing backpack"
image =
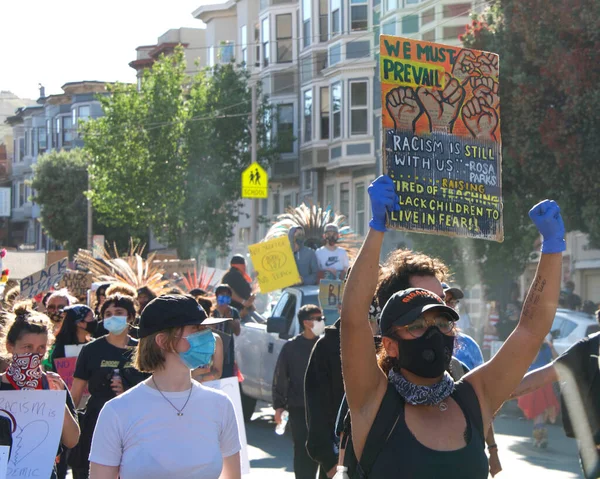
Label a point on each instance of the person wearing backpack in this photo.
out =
(409, 418)
(579, 372)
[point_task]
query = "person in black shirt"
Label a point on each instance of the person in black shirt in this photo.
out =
(288, 385)
(77, 326)
(96, 370)
(228, 329)
(240, 283)
(26, 340)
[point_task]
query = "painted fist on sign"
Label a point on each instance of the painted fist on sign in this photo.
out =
(487, 89)
(403, 107)
(488, 65)
(481, 120)
(442, 107)
(464, 66)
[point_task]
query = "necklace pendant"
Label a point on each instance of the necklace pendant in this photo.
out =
(443, 406)
(180, 414)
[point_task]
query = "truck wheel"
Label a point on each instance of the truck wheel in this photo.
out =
(248, 405)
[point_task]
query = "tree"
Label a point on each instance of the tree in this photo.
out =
(60, 184)
(170, 156)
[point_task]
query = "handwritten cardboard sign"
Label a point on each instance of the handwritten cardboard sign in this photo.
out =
(441, 137)
(44, 280)
(231, 387)
(37, 418)
(275, 264)
(77, 282)
(65, 367)
(331, 292)
(179, 266)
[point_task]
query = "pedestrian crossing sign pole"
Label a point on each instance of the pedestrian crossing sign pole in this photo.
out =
(255, 182)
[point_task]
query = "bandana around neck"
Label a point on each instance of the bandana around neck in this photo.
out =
(24, 372)
(422, 395)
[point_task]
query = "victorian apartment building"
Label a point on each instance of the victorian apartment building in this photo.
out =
(51, 124)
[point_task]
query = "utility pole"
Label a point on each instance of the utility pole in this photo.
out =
(254, 152)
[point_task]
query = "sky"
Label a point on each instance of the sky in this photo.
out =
(60, 41)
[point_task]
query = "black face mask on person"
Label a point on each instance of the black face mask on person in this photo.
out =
(331, 240)
(428, 356)
(91, 326)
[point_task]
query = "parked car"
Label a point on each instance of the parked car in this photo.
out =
(258, 345)
(571, 326)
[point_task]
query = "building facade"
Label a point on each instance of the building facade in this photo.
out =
(51, 124)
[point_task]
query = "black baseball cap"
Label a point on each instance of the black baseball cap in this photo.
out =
(456, 293)
(173, 311)
(406, 306)
(237, 259)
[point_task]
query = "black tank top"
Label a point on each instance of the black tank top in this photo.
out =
(403, 456)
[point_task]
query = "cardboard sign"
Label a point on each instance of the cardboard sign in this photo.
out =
(179, 266)
(275, 264)
(77, 282)
(4, 454)
(331, 292)
(38, 420)
(97, 246)
(65, 367)
(255, 182)
(441, 137)
(44, 280)
(231, 387)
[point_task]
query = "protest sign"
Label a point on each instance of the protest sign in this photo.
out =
(231, 387)
(4, 454)
(37, 418)
(255, 182)
(77, 282)
(179, 266)
(65, 367)
(44, 280)
(331, 292)
(275, 264)
(73, 350)
(441, 137)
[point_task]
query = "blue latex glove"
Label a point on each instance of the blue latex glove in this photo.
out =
(383, 199)
(546, 217)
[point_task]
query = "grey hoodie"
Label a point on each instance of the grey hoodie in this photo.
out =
(306, 260)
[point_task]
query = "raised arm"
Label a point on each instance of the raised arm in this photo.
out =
(363, 380)
(536, 379)
(498, 378)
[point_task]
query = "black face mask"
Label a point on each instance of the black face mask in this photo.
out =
(331, 240)
(428, 356)
(91, 326)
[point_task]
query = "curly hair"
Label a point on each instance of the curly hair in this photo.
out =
(23, 320)
(400, 266)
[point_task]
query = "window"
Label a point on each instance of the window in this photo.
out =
(26, 148)
(308, 108)
(345, 198)
(358, 108)
(56, 132)
(49, 133)
(257, 44)
(359, 201)
(307, 180)
(412, 2)
(324, 99)
(265, 41)
(287, 202)
(410, 24)
(244, 44)
(84, 113)
(391, 5)
(211, 56)
(336, 17)
(323, 21)
(456, 10)
(284, 38)
(285, 127)
(336, 109)
(389, 28)
(67, 130)
(429, 36)
(226, 52)
(276, 209)
(306, 31)
(21, 148)
(428, 16)
(359, 15)
(22, 194)
(32, 142)
(330, 196)
(42, 139)
(452, 33)
(335, 54)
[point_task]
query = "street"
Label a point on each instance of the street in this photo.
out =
(271, 455)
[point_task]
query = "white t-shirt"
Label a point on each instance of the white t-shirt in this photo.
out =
(140, 432)
(336, 259)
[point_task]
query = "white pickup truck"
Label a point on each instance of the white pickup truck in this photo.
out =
(258, 345)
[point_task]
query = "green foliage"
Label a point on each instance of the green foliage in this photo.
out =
(170, 156)
(60, 183)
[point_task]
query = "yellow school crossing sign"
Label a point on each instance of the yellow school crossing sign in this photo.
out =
(255, 182)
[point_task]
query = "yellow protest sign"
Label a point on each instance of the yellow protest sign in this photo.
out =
(274, 262)
(255, 182)
(331, 292)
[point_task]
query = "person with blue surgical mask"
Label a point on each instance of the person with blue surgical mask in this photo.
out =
(227, 330)
(150, 430)
(105, 368)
